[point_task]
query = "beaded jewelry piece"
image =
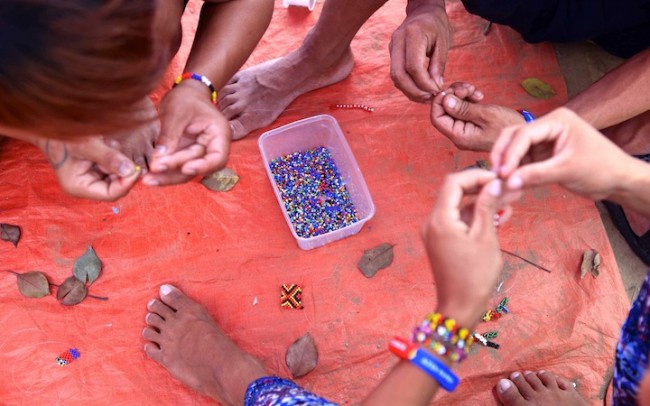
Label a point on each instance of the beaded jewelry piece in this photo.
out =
(528, 116)
(291, 296)
(352, 106)
(500, 310)
(200, 78)
(67, 357)
(443, 336)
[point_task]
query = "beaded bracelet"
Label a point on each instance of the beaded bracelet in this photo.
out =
(200, 78)
(425, 361)
(443, 336)
(528, 116)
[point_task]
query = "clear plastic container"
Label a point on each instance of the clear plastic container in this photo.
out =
(306, 134)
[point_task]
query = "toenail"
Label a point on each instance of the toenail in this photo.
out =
(504, 385)
(151, 302)
(527, 372)
(541, 372)
(165, 289)
(515, 375)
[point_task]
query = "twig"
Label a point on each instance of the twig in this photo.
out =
(526, 260)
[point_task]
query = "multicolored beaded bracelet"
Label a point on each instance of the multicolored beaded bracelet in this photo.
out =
(443, 336)
(425, 361)
(200, 78)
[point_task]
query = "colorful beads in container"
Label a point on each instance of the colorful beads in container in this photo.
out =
(313, 192)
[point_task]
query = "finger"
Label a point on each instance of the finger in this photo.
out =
(398, 71)
(462, 110)
(166, 178)
(485, 208)
(458, 185)
(438, 62)
(96, 188)
(180, 158)
(536, 174)
(523, 139)
(499, 148)
(439, 117)
(111, 161)
(466, 91)
(216, 141)
(416, 48)
(171, 132)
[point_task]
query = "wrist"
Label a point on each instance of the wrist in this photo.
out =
(629, 180)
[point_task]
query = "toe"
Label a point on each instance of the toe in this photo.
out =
(154, 320)
(233, 110)
(533, 380)
(153, 351)
(548, 379)
(161, 309)
(522, 385)
(238, 129)
(564, 383)
(174, 298)
(508, 393)
(150, 334)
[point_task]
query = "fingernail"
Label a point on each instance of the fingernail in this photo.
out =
(161, 149)
(494, 188)
(440, 81)
(515, 375)
(126, 168)
(151, 182)
(165, 290)
(504, 385)
(479, 94)
(451, 102)
(515, 182)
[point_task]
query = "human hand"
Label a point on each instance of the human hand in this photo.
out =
(458, 115)
(90, 168)
(560, 148)
(195, 137)
(418, 50)
(462, 244)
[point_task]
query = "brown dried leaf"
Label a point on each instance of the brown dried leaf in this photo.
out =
(375, 259)
(590, 263)
(33, 284)
(87, 267)
(221, 181)
(302, 356)
(538, 88)
(71, 292)
(10, 233)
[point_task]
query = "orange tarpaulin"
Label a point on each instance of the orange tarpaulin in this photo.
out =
(232, 251)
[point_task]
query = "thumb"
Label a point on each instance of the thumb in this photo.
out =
(109, 159)
(485, 208)
(461, 109)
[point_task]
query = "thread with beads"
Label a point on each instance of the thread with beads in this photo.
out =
(67, 357)
(352, 106)
(200, 78)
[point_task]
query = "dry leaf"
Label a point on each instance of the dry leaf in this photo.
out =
(302, 356)
(538, 88)
(71, 292)
(375, 259)
(221, 181)
(590, 263)
(10, 233)
(87, 267)
(32, 284)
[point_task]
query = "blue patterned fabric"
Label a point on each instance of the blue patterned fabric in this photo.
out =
(274, 391)
(632, 349)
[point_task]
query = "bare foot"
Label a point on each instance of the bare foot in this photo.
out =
(470, 125)
(185, 340)
(541, 388)
(255, 97)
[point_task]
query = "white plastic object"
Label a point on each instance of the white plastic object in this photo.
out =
(310, 4)
(310, 133)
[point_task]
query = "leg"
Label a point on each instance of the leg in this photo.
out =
(256, 96)
(541, 388)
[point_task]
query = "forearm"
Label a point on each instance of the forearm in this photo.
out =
(406, 384)
(618, 96)
(634, 190)
(227, 34)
